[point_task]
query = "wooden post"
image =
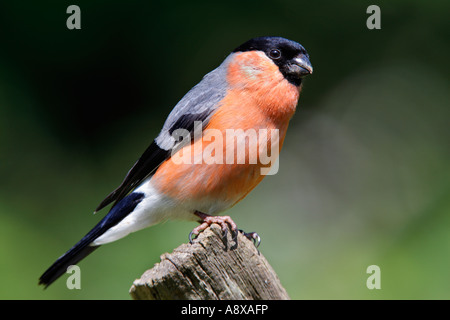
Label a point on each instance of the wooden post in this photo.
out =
(212, 268)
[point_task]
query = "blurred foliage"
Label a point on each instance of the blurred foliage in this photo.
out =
(364, 173)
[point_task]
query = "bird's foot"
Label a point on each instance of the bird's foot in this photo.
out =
(223, 221)
(207, 220)
(252, 236)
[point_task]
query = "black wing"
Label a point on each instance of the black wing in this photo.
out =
(150, 160)
(197, 105)
(152, 157)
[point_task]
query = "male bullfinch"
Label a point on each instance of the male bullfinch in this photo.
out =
(255, 88)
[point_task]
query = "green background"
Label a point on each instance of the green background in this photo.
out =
(364, 173)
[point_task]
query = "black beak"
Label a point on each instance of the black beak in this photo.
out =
(305, 67)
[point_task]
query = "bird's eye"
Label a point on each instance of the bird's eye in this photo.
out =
(275, 54)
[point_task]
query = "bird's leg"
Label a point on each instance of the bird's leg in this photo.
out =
(206, 220)
(252, 236)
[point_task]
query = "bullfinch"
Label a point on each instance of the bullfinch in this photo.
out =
(255, 89)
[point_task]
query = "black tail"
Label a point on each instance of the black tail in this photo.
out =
(83, 248)
(71, 257)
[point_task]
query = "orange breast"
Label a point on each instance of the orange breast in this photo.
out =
(258, 98)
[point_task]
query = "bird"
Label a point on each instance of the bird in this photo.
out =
(256, 87)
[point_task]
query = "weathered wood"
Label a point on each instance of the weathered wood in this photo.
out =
(211, 268)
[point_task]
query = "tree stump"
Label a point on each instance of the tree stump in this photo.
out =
(212, 268)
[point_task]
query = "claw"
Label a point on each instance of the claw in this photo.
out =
(191, 241)
(235, 235)
(252, 236)
(224, 232)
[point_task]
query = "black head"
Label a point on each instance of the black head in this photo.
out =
(290, 56)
